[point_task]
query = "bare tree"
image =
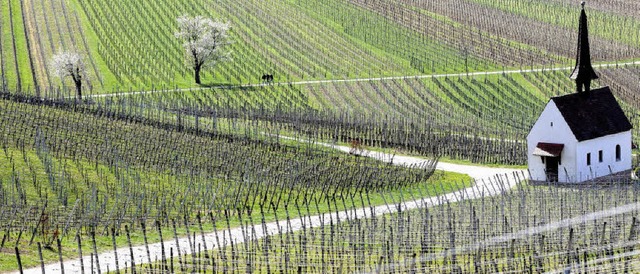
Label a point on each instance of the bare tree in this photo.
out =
(204, 42)
(66, 64)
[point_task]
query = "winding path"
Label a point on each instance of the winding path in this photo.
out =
(490, 181)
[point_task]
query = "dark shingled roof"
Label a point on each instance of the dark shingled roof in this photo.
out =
(592, 114)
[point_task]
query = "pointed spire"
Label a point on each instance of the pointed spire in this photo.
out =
(583, 73)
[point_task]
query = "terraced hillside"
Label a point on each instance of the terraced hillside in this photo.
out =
(130, 44)
(34, 30)
(493, 110)
(67, 169)
(148, 153)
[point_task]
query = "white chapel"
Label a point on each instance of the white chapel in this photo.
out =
(580, 136)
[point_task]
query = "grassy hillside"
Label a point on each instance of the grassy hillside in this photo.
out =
(93, 171)
(130, 47)
(49, 27)
(147, 149)
(130, 44)
(491, 105)
(291, 41)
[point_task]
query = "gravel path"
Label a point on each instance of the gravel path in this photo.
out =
(478, 173)
(489, 181)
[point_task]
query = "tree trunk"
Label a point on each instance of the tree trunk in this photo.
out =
(197, 72)
(79, 90)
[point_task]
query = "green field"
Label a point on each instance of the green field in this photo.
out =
(147, 149)
(130, 44)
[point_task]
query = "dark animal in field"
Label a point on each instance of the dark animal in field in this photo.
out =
(267, 78)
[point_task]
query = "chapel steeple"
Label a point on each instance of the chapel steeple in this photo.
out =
(583, 73)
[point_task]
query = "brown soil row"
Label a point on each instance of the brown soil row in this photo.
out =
(618, 7)
(479, 32)
(550, 38)
(467, 39)
(40, 65)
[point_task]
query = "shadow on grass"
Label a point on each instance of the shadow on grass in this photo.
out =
(217, 85)
(254, 87)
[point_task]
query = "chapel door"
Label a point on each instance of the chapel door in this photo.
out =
(552, 168)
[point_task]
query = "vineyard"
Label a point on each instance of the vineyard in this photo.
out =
(68, 171)
(131, 43)
(389, 137)
(527, 230)
(482, 119)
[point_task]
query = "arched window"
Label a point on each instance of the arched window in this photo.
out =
(618, 153)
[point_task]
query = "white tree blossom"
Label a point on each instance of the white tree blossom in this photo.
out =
(65, 64)
(204, 42)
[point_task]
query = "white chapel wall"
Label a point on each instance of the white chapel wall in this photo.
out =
(559, 133)
(609, 162)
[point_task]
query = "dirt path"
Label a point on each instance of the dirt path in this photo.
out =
(316, 82)
(478, 173)
(40, 65)
(490, 181)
